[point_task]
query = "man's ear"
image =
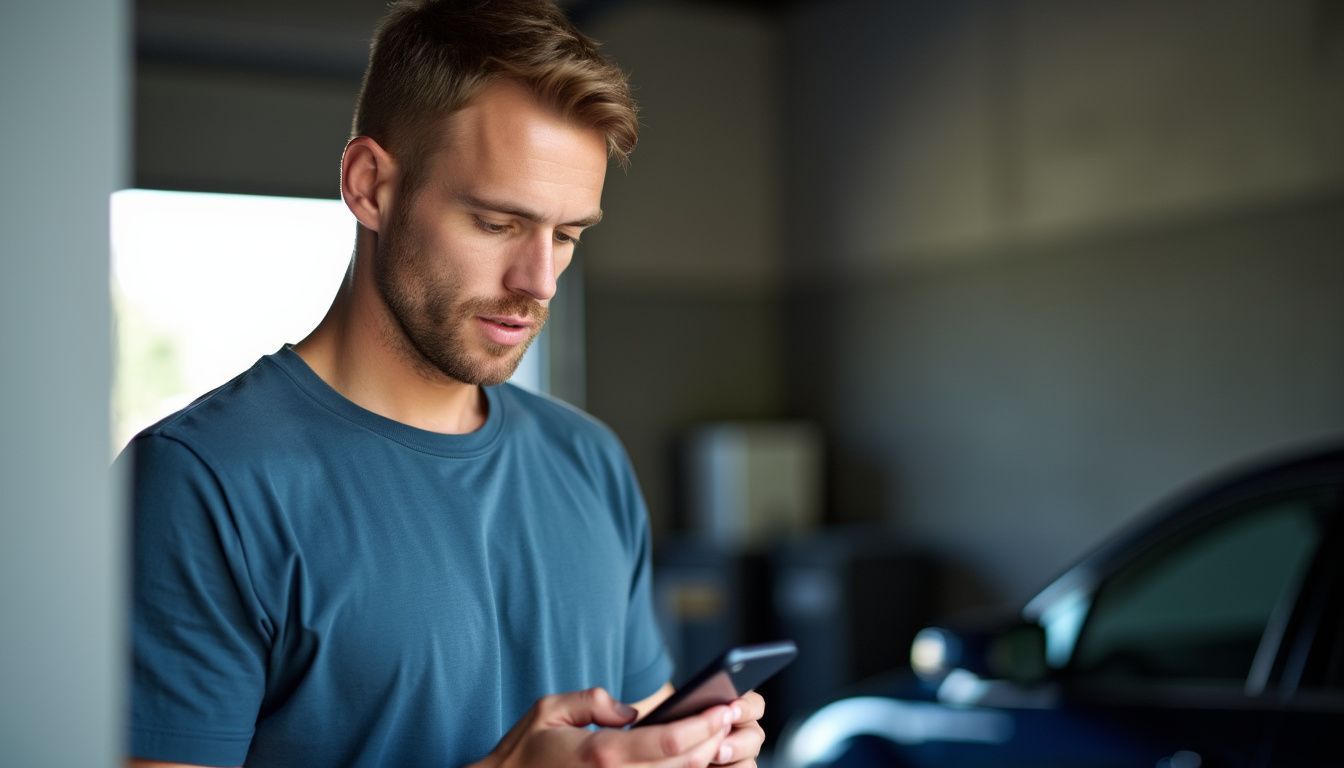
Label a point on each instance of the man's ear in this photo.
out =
(369, 177)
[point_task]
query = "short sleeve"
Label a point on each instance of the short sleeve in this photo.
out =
(198, 637)
(648, 666)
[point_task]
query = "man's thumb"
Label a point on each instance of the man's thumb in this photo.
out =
(593, 706)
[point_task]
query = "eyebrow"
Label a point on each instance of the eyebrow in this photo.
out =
(472, 201)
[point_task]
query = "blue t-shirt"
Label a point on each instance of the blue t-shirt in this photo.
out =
(315, 584)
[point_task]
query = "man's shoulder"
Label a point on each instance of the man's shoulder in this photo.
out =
(579, 451)
(549, 417)
(547, 410)
(242, 415)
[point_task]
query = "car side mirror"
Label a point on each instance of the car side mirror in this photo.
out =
(1015, 652)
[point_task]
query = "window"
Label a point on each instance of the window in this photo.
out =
(1197, 608)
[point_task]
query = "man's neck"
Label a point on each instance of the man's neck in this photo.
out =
(353, 351)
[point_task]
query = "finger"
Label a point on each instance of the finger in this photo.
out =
(580, 708)
(743, 743)
(681, 738)
(749, 708)
(701, 756)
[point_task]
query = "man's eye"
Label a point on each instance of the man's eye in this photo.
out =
(490, 226)
(561, 237)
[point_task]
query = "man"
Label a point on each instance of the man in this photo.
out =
(365, 550)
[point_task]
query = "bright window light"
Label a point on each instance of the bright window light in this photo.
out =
(204, 284)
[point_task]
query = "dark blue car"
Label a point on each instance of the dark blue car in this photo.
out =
(1208, 635)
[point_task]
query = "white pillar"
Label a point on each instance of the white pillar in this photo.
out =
(63, 102)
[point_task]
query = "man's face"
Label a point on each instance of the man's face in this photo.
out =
(469, 262)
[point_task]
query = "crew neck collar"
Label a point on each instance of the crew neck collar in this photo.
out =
(456, 446)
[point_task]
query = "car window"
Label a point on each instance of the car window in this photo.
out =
(1197, 607)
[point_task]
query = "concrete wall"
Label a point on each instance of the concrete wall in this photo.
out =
(1055, 258)
(924, 130)
(684, 275)
(207, 129)
(64, 89)
(247, 96)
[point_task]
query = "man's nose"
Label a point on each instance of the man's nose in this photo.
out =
(533, 269)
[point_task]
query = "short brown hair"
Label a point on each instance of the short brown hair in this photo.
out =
(428, 58)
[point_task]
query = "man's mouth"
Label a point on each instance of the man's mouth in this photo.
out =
(507, 330)
(509, 322)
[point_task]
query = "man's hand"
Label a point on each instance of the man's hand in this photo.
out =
(553, 733)
(744, 742)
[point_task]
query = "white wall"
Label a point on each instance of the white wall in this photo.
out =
(62, 144)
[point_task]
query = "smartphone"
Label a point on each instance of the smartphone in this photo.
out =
(733, 673)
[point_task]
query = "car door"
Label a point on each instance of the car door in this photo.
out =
(1177, 654)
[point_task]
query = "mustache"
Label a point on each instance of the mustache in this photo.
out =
(519, 306)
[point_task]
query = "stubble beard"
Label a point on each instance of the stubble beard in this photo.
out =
(433, 323)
